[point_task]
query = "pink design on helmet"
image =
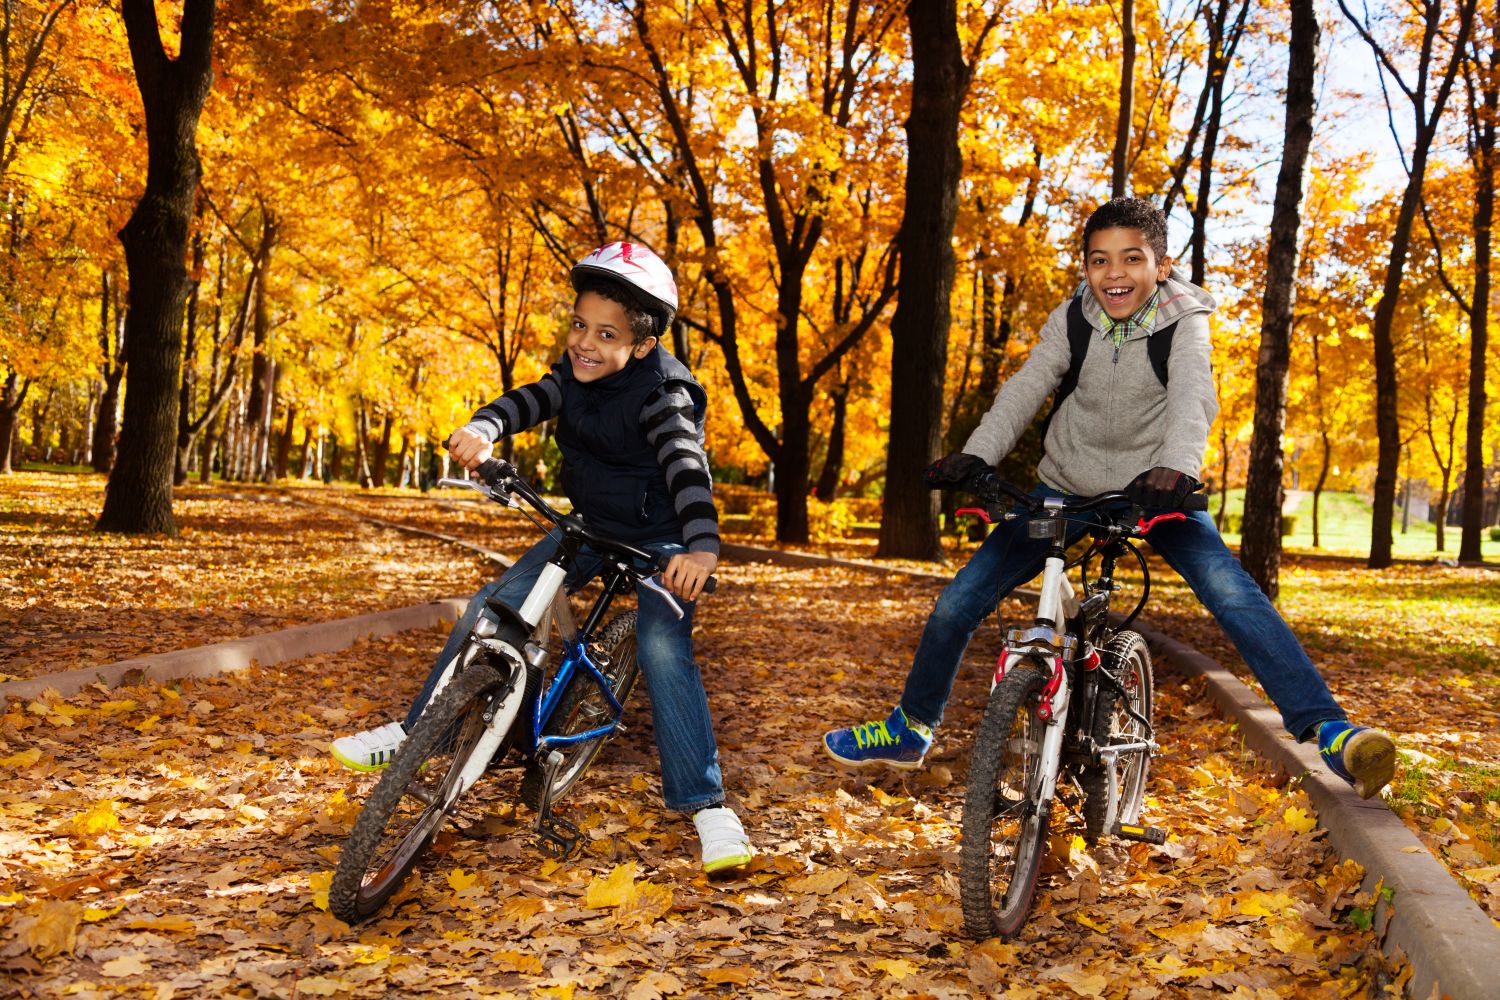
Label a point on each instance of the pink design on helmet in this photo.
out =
(633, 264)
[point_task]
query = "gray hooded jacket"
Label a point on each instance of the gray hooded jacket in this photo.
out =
(1120, 421)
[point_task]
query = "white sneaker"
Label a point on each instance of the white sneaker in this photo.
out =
(725, 844)
(371, 750)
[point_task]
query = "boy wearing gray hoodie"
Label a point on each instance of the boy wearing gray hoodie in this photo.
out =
(1118, 419)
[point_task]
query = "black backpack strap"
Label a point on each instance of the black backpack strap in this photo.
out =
(1079, 334)
(1159, 351)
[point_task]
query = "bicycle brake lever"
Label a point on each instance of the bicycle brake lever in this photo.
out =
(649, 582)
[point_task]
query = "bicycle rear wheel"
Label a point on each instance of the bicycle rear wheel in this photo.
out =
(1004, 829)
(583, 707)
(419, 790)
(1129, 661)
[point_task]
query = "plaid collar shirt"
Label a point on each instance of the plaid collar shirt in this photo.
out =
(1117, 330)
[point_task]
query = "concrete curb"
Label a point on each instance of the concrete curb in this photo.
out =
(1451, 943)
(237, 654)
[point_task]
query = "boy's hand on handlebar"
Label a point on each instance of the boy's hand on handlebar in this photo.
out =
(1161, 487)
(959, 471)
(687, 572)
(469, 449)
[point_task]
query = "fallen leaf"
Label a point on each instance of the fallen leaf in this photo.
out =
(611, 890)
(125, 965)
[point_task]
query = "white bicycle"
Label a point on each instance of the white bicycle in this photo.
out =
(1070, 700)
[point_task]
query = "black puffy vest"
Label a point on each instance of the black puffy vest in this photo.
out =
(609, 470)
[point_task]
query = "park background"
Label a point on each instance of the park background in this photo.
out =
(390, 198)
(377, 243)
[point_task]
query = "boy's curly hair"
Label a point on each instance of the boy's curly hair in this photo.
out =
(642, 324)
(1130, 213)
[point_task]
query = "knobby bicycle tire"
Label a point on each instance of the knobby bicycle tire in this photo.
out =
(1129, 660)
(430, 760)
(582, 707)
(1004, 833)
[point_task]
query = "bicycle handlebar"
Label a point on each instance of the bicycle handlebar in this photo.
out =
(994, 490)
(502, 479)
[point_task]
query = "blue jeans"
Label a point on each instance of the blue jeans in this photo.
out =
(690, 775)
(1008, 558)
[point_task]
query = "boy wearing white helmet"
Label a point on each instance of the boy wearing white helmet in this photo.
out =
(630, 428)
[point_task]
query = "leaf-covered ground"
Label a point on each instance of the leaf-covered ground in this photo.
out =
(1412, 648)
(72, 598)
(173, 842)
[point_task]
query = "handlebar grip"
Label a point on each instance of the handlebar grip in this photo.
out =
(1195, 501)
(710, 585)
(491, 471)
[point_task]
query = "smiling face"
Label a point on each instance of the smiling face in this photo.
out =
(600, 341)
(1122, 270)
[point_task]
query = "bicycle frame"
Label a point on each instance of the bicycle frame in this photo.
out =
(545, 607)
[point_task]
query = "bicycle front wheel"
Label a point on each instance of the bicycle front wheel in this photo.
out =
(583, 707)
(1129, 660)
(418, 791)
(1004, 828)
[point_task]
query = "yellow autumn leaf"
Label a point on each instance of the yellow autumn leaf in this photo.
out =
(1482, 875)
(819, 883)
(739, 975)
(611, 890)
(55, 928)
(147, 723)
(23, 759)
(647, 902)
(370, 954)
(1181, 932)
(180, 925)
(458, 880)
(1173, 967)
(11, 897)
(1297, 819)
(1290, 941)
(563, 991)
(94, 914)
(98, 818)
(319, 882)
(112, 708)
(1262, 904)
(515, 961)
(897, 968)
(1092, 925)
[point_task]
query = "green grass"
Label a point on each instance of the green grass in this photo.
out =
(1344, 523)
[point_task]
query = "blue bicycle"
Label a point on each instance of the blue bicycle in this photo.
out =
(476, 713)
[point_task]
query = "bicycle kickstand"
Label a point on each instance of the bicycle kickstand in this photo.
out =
(555, 835)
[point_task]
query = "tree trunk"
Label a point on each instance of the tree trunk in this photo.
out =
(14, 395)
(1482, 156)
(284, 442)
(1118, 162)
(382, 455)
(833, 462)
(188, 392)
(1260, 542)
(111, 371)
(139, 496)
(919, 329)
(262, 371)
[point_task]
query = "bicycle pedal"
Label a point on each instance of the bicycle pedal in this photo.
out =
(1144, 834)
(558, 837)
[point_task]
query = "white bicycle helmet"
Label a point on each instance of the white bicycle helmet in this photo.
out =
(635, 265)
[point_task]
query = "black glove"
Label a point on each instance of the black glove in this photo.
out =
(956, 472)
(1161, 487)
